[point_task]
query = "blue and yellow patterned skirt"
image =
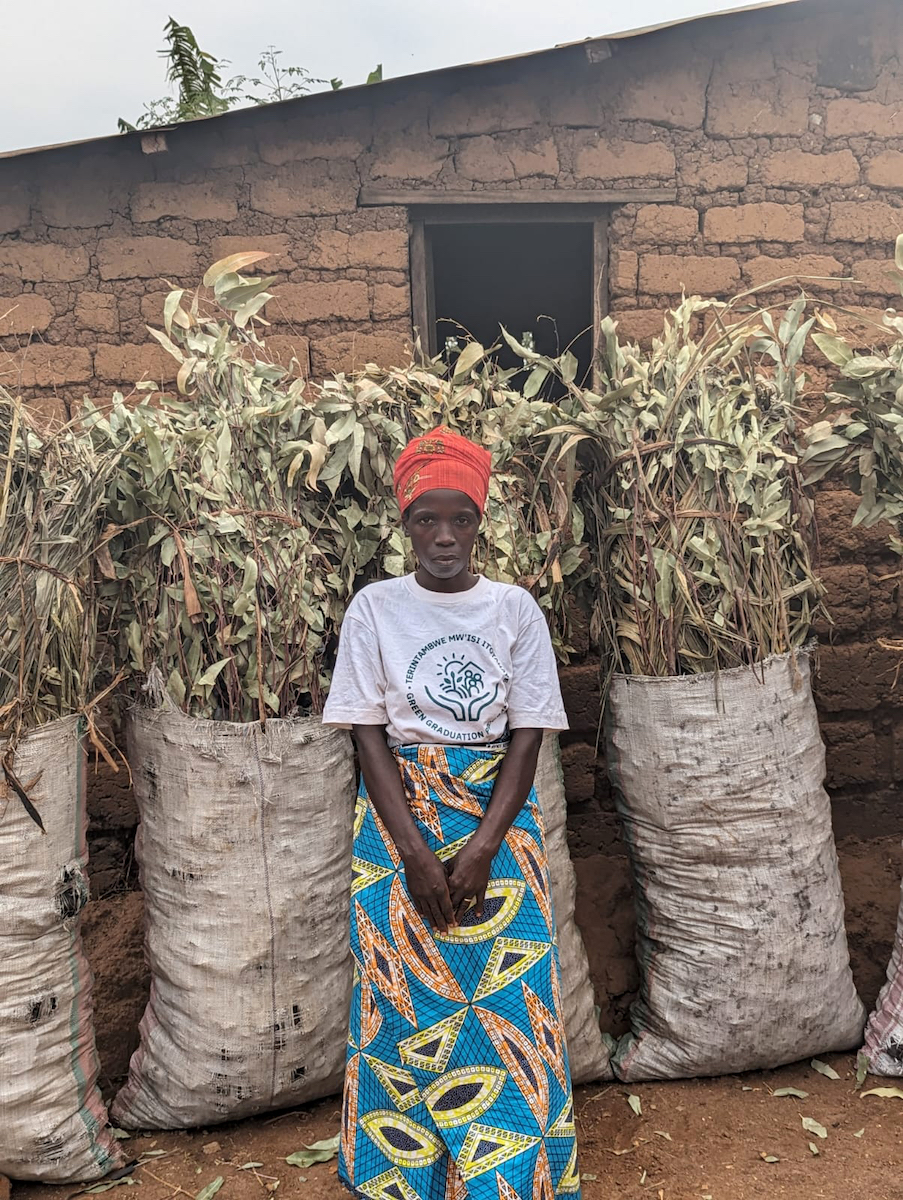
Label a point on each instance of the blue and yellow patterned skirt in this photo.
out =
(457, 1082)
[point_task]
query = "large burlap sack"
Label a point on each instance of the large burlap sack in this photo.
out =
(244, 849)
(587, 1051)
(53, 1124)
(740, 917)
(884, 1032)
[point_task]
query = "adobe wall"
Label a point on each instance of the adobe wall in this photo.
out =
(780, 132)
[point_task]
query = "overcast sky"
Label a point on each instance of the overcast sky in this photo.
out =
(71, 68)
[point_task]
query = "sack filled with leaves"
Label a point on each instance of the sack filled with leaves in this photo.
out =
(863, 436)
(705, 601)
(53, 1124)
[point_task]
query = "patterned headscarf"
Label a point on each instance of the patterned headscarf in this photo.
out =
(442, 459)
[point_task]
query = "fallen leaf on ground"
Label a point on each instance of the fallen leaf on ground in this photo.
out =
(211, 1148)
(791, 1092)
(119, 1134)
(859, 1133)
(862, 1068)
(812, 1126)
(636, 1104)
(815, 1150)
(823, 1069)
(250, 1166)
(591, 1178)
(888, 1093)
(661, 1133)
(769, 1158)
(106, 1186)
(211, 1189)
(316, 1152)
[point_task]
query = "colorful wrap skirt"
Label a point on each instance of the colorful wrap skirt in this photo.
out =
(457, 1082)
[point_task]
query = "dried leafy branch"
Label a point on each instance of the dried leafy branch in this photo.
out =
(862, 434)
(52, 489)
(695, 508)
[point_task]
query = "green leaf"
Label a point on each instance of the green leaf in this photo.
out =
(376, 75)
(316, 1152)
(568, 365)
(789, 1091)
(206, 1193)
(636, 1104)
(823, 1069)
(814, 1149)
(472, 353)
(168, 345)
(886, 1093)
(232, 264)
(172, 302)
(210, 676)
(249, 582)
(862, 1068)
(835, 349)
(812, 1126)
(175, 685)
(107, 1186)
(858, 1133)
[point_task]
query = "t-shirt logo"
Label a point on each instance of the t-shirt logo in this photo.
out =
(460, 675)
(462, 689)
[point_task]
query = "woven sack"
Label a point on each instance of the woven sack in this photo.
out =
(587, 1051)
(884, 1032)
(53, 1123)
(740, 917)
(244, 849)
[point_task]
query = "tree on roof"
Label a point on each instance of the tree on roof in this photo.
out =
(201, 90)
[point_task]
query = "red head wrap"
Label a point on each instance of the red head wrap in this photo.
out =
(442, 459)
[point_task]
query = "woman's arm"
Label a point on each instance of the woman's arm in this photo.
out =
(469, 869)
(424, 873)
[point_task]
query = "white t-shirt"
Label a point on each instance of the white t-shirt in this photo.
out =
(446, 668)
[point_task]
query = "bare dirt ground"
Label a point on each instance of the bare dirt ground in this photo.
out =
(692, 1140)
(701, 1138)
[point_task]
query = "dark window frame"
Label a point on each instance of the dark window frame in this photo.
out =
(422, 218)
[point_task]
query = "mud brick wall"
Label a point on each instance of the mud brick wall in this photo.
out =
(775, 140)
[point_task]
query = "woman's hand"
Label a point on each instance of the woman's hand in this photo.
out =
(468, 875)
(427, 886)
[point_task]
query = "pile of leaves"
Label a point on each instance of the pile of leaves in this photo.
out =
(248, 508)
(52, 491)
(696, 513)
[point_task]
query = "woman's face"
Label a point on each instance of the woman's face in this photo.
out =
(442, 525)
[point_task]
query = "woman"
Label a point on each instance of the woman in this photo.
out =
(457, 1081)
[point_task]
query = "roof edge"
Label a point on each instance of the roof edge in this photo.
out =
(626, 35)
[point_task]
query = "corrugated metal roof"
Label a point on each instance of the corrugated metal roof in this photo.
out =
(420, 75)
